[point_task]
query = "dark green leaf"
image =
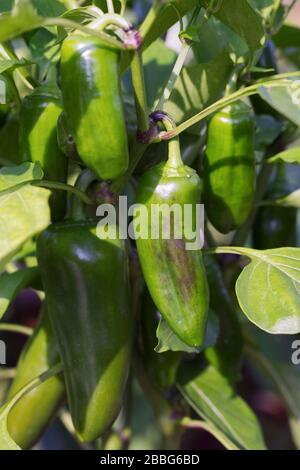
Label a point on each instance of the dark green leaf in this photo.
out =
(211, 396)
(158, 62)
(23, 18)
(162, 17)
(198, 86)
(286, 100)
(238, 15)
(168, 341)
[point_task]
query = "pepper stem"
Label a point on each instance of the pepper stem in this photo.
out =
(83, 182)
(174, 157)
(109, 19)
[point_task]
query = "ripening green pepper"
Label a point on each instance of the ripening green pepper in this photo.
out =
(276, 226)
(93, 104)
(31, 414)
(87, 291)
(161, 367)
(229, 167)
(38, 140)
(174, 275)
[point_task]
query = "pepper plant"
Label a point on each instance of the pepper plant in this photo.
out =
(141, 342)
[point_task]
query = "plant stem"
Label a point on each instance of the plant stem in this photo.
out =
(110, 6)
(85, 179)
(174, 154)
(6, 374)
(23, 330)
(99, 24)
(174, 75)
(183, 55)
(7, 52)
(123, 7)
(92, 32)
(276, 81)
(63, 187)
(140, 96)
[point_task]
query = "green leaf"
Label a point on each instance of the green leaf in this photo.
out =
(6, 5)
(288, 39)
(22, 18)
(291, 200)
(238, 15)
(12, 177)
(8, 65)
(292, 155)
(49, 8)
(24, 210)
(268, 289)
(169, 341)
(267, 130)
(6, 442)
(272, 357)
(161, 17)
(190, 34)
(211, 396)
(158, 62)
(12, 283)
(197, 87)
(286, 100)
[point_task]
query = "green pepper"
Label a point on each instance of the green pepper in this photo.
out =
(161, 367)
(276, 226)
(87, 291)
(38, 140)
(174, 275)
(32, 413)
(229, 167)
(93, 104)
(65, 139)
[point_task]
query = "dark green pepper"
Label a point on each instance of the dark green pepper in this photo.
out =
(229, 167)
(38, 140)
(175, 276)
(93, 104)
(32, 413)
(276, 226)
(87, 290)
